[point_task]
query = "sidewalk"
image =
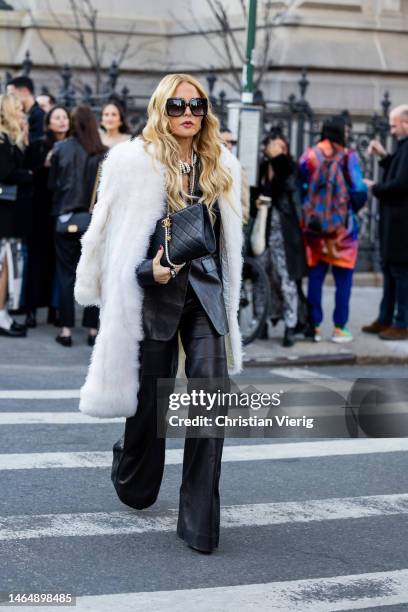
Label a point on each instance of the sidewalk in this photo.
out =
(364, 349)
(40, 349)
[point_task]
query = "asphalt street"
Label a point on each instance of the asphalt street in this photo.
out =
(309, 525)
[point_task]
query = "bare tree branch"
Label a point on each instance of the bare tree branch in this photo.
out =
(125, 48)
(233, 49)
(244, 9)
(85, 32)
(267, 38)
(136, 50)
(42, 38)
(208, 38)
(223, 20)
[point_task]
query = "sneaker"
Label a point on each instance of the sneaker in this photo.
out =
(341, 334)
(317, 337)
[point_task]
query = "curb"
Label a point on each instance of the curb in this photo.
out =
(382, 360)
(321, 360)
(297, 360)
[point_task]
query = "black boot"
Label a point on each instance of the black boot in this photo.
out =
(64, 340)
(31, 319)
(263, 334)
(289, 337)
(53, 316)
(16, 330)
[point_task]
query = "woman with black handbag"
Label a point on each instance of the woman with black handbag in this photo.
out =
(169, 209)
(72, 178)
(15, 209)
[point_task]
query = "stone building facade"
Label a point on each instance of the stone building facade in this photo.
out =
(354, 49)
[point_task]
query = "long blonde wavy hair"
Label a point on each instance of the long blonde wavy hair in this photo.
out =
(9, 121)
(214, 178)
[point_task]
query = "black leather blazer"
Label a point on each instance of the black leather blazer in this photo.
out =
(163, 304)
(72, 176)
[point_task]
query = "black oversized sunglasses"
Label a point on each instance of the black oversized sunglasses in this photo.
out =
(176, 107)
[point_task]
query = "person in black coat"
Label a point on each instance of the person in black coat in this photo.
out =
(72, 179)
(392, 193)
(41, 250)
(285, 256)
(15, 214)
(23, 88)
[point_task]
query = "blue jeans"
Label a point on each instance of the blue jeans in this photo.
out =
(343, 278)
(394, 303)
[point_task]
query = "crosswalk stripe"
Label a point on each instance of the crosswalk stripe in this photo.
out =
(350, 592)
(300, 373)
(301, 378)
(245, 515)
(40, 394)
(245, 452)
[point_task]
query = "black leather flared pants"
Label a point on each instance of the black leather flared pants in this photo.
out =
(139, 457)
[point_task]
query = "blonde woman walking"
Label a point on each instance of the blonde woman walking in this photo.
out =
(146, 304)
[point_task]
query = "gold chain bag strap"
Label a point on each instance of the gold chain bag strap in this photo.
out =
(188, 234)
(166, 222)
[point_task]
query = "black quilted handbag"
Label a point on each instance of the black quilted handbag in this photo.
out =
(185, 234)
(77, 223)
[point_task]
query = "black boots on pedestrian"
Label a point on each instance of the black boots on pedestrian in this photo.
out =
(289, 337)
(64, 340)
(31, 319)
(16, 330)
(91, 340)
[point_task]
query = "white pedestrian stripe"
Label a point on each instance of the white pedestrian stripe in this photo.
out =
(299, 373)
(53, 418)
(246, 515)
(297, 376)
(352, 592)
(40, 394)
(246, 452)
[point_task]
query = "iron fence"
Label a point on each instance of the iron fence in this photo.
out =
(294, 118)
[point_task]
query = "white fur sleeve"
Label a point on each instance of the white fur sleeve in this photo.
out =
(88, 273)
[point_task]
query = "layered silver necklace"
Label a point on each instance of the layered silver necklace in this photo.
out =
(186, 167)
(189, 168)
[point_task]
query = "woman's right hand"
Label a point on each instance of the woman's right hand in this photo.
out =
(161, 274)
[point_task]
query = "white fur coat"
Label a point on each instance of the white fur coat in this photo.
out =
(131, 199)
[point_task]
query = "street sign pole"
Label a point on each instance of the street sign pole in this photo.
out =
(248, 68)
(244, 118)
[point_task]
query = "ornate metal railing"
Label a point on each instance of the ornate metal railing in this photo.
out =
(293, 117)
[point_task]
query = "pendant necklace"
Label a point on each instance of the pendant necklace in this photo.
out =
(187, 168)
